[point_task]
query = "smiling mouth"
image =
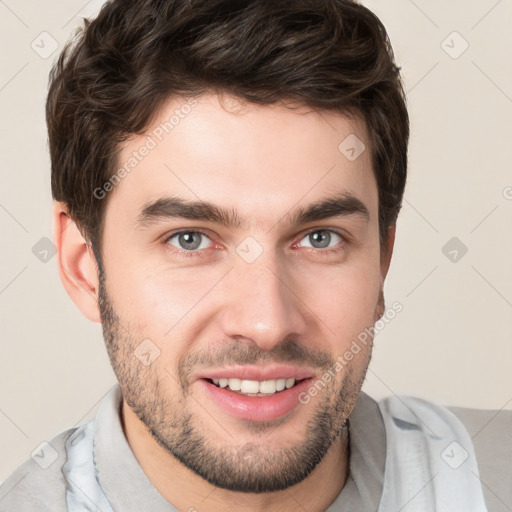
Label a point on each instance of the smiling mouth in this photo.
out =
(255, 387)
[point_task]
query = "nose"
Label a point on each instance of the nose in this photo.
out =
(263, 305)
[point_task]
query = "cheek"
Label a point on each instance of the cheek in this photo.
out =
(152, 294)
(166, 304)
(344, 298)
(168, 307)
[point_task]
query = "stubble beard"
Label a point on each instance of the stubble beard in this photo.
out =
(254, 467)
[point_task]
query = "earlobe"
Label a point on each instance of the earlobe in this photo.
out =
(77, 265)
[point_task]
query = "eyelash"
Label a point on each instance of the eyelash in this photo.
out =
(201, 252)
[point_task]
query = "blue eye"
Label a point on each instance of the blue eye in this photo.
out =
(189, 240)
(321, 238)
(194, 242)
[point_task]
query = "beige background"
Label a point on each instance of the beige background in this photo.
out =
(451, 343)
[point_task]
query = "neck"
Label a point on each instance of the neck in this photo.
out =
(187, 491)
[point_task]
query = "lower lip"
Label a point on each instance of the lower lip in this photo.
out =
(256, 408)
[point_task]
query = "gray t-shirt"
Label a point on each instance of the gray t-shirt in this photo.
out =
(38, 484)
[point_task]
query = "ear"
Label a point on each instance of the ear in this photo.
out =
(385, 261)
(387, 252)
(77, 264)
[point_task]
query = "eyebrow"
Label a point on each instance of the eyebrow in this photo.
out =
(338, 205)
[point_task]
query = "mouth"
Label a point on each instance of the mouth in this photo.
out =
(256, 394)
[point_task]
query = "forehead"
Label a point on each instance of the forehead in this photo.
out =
(256, 159)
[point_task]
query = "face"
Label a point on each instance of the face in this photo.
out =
(221, 317)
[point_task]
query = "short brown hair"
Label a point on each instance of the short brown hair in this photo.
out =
(122, 66)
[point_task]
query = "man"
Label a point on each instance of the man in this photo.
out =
(227, 178)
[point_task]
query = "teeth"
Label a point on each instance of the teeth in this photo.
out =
(268, 386)
(253, 387)
(235, 384)
(250, 386)
(289, 383)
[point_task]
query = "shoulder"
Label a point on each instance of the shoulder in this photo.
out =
(491, 433)
(38, 484)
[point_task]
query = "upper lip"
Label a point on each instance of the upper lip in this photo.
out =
(259, 373)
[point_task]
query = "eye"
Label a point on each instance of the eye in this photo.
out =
(189, 240)
(322, 238)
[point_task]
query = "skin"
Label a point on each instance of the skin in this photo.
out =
(216, 308)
